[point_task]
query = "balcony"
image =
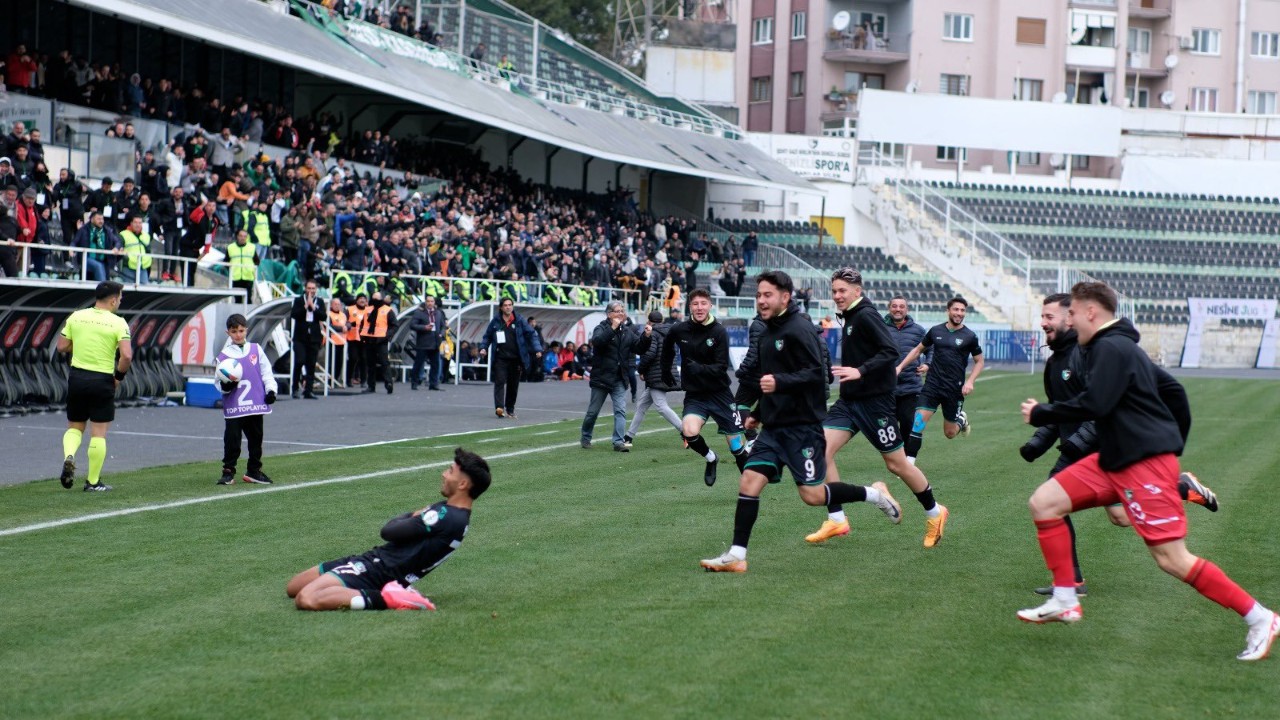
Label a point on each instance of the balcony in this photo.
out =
(871, 48)
(839, 105)
(1151, 9)
(1091, 57)
(1142, 65)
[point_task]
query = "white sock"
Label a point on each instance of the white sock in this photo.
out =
(873, 495)
(934, 511)
(357, 602)
(738, 552)
(711, 456)
(1065, 595)
(837, 516)
(1257, 614)
(911, 460)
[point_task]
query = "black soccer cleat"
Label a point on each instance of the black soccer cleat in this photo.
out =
(709, 475)
(68, 477)
(96, 487)
(228, 477)
(257, 478)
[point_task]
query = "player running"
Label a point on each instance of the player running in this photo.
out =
(866, 405)
(945, 384)
(790, 399)
(704, 370)
(1136, 464)
(417, 542)
(1064, 378)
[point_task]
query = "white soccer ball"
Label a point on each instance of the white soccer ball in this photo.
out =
(229, 371)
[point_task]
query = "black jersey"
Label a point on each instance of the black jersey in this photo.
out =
(865, 343)
(704, 357)
(417, 542)
(951, 352)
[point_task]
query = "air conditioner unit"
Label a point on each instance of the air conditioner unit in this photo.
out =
(1186, 43)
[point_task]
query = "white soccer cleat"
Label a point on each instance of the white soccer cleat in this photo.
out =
(1257, 644)
(725, 563)
(1052, 611)
(887, 504)
(962, 420)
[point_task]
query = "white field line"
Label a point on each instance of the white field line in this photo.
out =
(275, 488)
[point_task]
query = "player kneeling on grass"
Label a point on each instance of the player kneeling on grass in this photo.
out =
(417, 542)
(247, 399)
(1136, 464)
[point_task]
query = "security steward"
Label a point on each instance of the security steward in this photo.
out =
(338, 337)
(243, 257)
(355, 348)
(375, 333)
(137, 252)
(93, 336)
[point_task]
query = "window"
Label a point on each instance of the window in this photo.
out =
(876, 21)
(1261, 103)
(1206, 42)
(1265, 44)
(1079, 162)
(756, 206)
(1028, 158)
(799, 20)
(1029, 90)
(855, 81)
(1204, 99)
(957, 27)
(954, 84)
(1140, 41)
(1031, 31)
(949, 154)
(1142, 100)
(797, 84)
(761, 89)
(762, 31)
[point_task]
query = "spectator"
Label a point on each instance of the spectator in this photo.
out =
(428, 323)
(96, 235)
(613, 343)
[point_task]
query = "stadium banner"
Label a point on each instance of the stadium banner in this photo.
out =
(34, 114)
(814, 158)
(1267, 352)
(1205, 309)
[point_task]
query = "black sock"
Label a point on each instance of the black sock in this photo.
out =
(373, 600)
(840, 493)
(740, 457)
(926, 498)
(744, 518)
(698, 445)
(1075, 559)
(914, 441)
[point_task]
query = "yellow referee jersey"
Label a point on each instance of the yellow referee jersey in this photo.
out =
(95, 334)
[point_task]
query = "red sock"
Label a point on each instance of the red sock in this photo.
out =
(1055, 545)
(1209, 580)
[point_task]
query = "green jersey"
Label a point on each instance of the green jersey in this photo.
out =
(95, 334)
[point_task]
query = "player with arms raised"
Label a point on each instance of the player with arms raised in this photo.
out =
(1136, 464)
(945, 385)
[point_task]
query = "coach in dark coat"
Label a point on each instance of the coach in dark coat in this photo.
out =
(309, 316)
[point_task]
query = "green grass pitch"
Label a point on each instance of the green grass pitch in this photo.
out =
(578, 593)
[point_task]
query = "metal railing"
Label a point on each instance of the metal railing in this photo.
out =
(804, 274)
(1069, 276)
(872, 43)
(184, 266)
(460, 291)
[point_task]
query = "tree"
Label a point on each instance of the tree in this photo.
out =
(590, 22)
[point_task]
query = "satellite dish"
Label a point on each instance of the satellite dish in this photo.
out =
(1056, 160)
(913, 86)
(1170, 61)
(1167, 97)
(1059, 98)
(841, 21)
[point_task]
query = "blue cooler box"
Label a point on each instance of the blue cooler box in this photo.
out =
(202, 392)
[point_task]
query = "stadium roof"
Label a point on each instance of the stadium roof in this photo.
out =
(252, 27)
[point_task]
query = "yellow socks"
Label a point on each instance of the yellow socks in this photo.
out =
(97, 456)
(71, 442)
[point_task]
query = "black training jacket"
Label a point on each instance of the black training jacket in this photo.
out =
(866, 344)
(791, 351)
(704, 357)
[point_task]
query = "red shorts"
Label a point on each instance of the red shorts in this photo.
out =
(1148, 489)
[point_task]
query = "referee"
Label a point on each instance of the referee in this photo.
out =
(93, 336)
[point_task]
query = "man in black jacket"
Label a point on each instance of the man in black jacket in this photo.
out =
(704, 370)
(1136, 464)
(790, 400)
(428, 324)
(907, 333)
(1064, 378)
(309, 317)
(612, 343)
(868, 357)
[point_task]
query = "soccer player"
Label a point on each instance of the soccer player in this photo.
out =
(1136, 464)
(245, 402)
(867, 380)
(417, 542)
(907, 333)
(93, 336)
(704, 370)
(945, 383)
(1064, 378)
(790, 400)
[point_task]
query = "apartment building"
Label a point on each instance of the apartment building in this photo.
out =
(802, 63)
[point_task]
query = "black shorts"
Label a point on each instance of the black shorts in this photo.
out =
(357, 572)
(952, 402)
(719, 407)
(800, 448)
(875, 417)
(91, 396)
